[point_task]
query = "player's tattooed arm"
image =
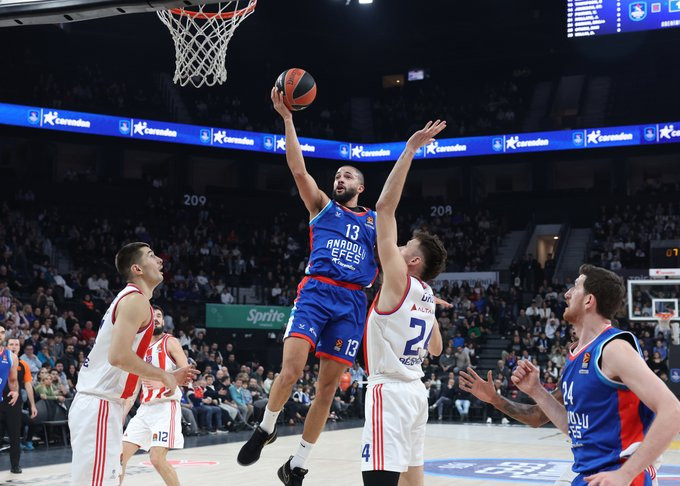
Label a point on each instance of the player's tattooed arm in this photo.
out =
(528, 414)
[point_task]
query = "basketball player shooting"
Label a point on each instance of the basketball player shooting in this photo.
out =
(400, 331)
(157, 426)
(330, 310)
(111, 371)
(619, 415)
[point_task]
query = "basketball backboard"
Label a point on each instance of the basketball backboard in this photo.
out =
(34, 12)
(647, 298)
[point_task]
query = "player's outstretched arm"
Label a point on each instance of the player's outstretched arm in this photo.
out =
(528, 414)
(621, 362)
(313, 197)
(526, 378)
(395, 271)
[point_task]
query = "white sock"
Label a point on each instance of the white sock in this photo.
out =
(301, 455)
(269, 420)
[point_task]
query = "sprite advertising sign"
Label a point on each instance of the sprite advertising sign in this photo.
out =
(246, 316)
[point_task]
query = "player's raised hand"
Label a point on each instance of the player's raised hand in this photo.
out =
(279, 106)
(185, 375)
(525, 377)
(425, 136)
(179, 377)
(471, 382)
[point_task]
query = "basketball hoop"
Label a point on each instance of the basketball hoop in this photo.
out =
(664, 319)
(201, 35)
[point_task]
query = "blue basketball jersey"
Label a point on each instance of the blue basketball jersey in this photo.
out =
(342, 244)
(5, 367)
(606, 420)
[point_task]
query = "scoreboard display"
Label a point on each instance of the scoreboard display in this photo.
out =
(601, 17)
(664, 254)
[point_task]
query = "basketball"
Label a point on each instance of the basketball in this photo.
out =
(298, 88)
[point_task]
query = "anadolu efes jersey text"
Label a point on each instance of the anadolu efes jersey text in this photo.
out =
(342, 245)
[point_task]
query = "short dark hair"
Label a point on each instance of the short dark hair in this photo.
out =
(128, 256)
(434, 254)
(606, 286)
(158, 308)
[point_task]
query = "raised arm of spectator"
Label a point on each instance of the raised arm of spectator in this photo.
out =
(313, 197)
(395, 270)
(528, 414)
(132, 314)
(435, 345)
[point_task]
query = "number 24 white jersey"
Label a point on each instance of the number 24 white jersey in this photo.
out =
(395, 343)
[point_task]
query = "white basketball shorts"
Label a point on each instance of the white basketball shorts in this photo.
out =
(96, 427)
(156, 425)
(393, 438)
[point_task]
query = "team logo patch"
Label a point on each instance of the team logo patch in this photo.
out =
(155, 437)
(369, 221)
(637, 11)
(584, 364)
(338, 344)
(675, 375)
(148, 358)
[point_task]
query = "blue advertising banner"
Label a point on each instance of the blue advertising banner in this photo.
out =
(159, 131)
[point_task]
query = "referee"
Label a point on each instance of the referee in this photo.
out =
(11, 417)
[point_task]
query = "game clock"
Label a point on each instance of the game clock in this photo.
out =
(664, 254)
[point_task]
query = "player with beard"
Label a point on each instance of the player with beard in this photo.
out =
(111, 371)
(157, 426)
(330, 309)
(619, 415)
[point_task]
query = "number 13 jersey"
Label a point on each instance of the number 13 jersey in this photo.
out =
(395, 342)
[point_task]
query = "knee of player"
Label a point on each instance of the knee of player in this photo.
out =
(157, 459)
(325, 391)
(288, 376)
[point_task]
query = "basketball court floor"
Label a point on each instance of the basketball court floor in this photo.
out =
(456, 454)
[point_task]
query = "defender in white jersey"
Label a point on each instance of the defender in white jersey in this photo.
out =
(157, 426)
(401, 330)
(110, 373)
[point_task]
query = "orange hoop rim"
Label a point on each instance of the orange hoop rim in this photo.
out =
(664, 316)
(209, 15)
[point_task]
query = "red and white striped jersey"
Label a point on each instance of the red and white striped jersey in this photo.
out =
(158, 356)
(395, 343)
(97, 376)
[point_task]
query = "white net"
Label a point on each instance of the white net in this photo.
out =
(201, 35)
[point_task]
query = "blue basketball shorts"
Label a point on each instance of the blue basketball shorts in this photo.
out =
(330, 316)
